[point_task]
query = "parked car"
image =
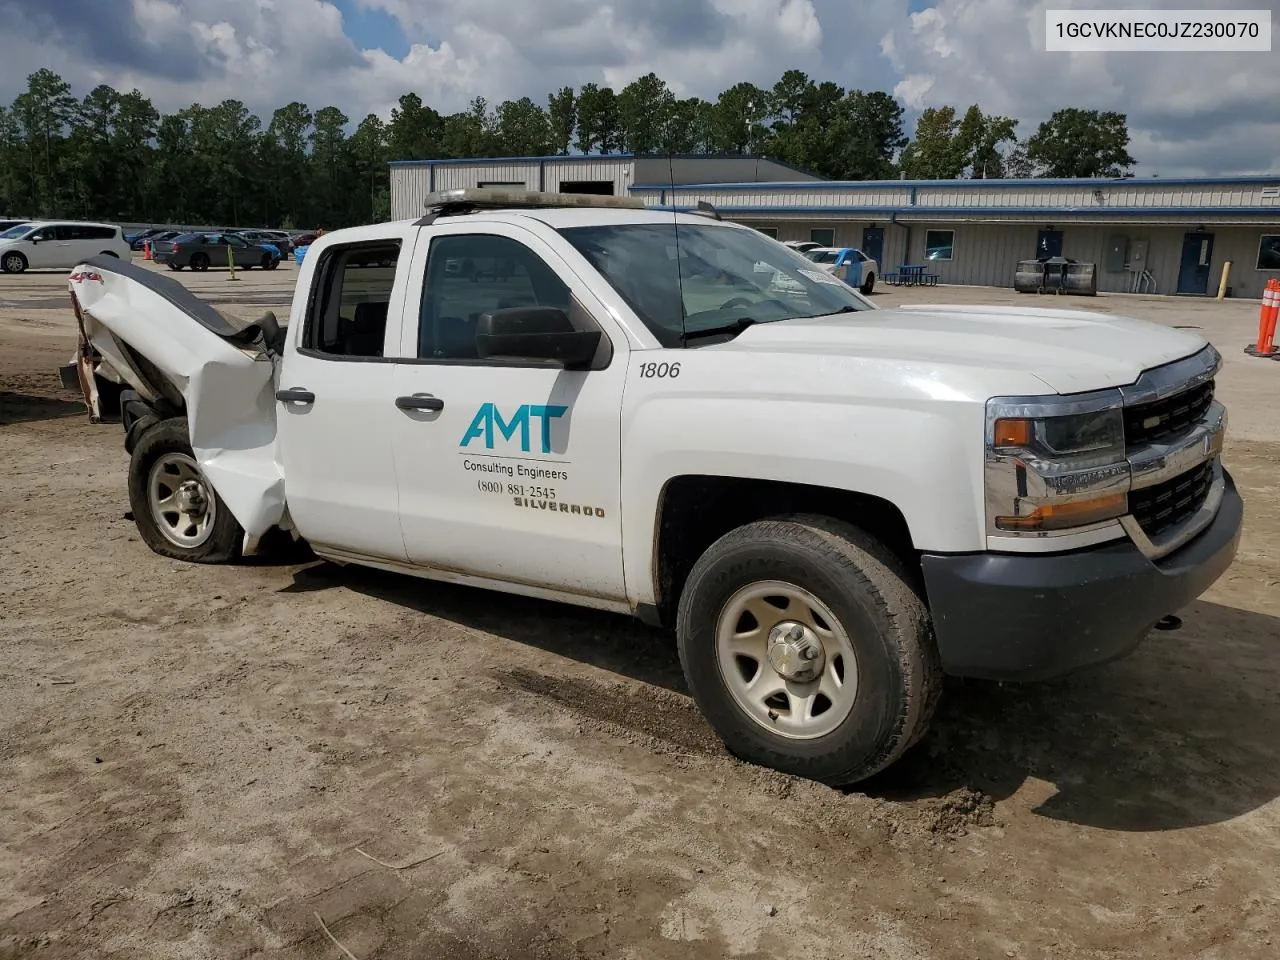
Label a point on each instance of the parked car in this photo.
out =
(10, 224)
(277, 240)
(136, 240)
(154, 238)
(801, 245)
(47, 244)
(200, 251)
(849, 264)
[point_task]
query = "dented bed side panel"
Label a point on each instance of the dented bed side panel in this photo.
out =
(227, 389)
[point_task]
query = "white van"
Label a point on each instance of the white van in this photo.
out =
(46, 244)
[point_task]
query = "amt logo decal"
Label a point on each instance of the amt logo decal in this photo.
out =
(489, 417)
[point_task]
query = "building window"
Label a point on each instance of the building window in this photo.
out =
(1269, 252)
(600, 188)
(770, 232)
(502, 183)
(939, 244)
(823, 236)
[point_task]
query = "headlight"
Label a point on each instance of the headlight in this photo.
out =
(1055, 465)
(1100, 433)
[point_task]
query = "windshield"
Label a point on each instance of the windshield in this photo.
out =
(823, 256)
(14, 233)
(723, 275)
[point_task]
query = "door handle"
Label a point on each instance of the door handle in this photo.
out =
(420, 401)
(295, 395)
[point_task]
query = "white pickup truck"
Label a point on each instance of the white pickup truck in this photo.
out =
(580, 399)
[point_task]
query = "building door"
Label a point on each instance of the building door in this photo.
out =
(1193, 272)
(873, 244)
(1048, 244)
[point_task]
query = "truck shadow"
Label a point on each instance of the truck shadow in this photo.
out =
(1180, 734)
(25, 408)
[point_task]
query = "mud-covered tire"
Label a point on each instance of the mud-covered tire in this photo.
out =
(13, 263)
(868, 284)
(851, 574)
(169, 441)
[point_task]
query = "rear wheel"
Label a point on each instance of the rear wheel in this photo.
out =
(265, 262)
(272, 265)
(807, 649)
(869, 284)
(199, 261)
(13, 263)
(177, 511)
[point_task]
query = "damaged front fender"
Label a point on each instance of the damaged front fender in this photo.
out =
(185, 358)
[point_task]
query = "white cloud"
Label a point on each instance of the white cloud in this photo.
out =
(1188, 113)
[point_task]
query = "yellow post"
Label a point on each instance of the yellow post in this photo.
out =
(1222, 284)
(231, 262)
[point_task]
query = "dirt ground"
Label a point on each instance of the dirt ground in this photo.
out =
(207, 762)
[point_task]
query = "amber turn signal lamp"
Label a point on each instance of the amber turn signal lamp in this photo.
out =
(1014, 433)
(1073, 513)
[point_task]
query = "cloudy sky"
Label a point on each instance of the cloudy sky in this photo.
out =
(1189, 114)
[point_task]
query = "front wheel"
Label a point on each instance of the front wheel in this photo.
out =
(807, 649)
(271, 264)
(13, 263)
(177, 511)
(869, 284)
(199, 261)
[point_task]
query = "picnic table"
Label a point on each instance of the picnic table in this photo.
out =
(911, 275)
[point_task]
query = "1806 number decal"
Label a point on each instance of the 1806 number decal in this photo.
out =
(650, 370)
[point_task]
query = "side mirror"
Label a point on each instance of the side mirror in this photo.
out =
(538, 333)
(35, 240)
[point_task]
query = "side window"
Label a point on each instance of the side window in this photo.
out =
(99, 233)
(43, 234)
(66, 232)
(347, 312)
(472, 274)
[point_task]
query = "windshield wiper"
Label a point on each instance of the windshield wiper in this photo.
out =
(733, 329)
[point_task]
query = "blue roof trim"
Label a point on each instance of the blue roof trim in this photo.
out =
(1029, 183)
(1191, 213)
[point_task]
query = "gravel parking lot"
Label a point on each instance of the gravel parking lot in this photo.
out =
(207, 762)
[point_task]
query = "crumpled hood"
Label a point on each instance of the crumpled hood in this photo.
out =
(161, 339)
(1070, 351)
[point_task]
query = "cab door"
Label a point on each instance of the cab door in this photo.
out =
(507, 469)
(335, 410)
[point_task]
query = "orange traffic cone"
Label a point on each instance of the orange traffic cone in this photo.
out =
(1264, 346)
(146, 250)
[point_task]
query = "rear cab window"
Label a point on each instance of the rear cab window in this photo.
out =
(350, 301)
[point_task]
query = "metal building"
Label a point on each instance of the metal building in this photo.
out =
(616, 174)
(1146, 235)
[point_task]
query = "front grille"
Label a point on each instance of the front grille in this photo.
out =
(1165, 505)
(1165, 419)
